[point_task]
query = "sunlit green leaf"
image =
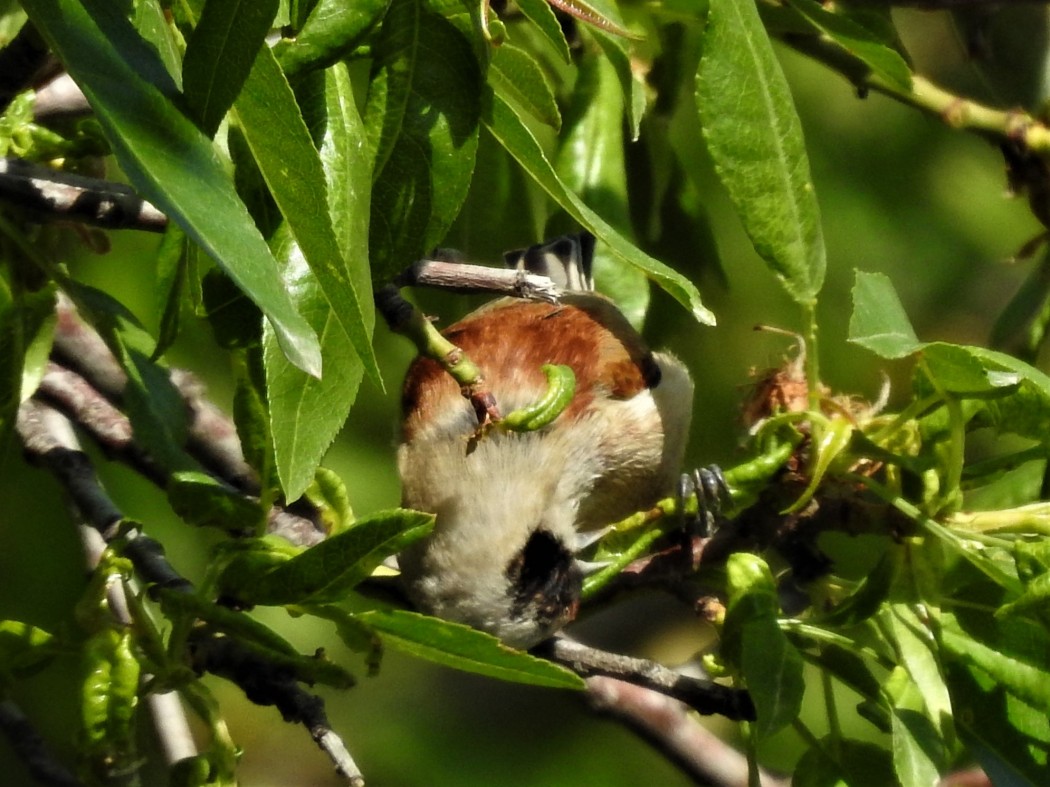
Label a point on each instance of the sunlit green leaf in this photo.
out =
(219, 55)
(329, 570)
(516, 76)
(282, 147)
(508, 128)
(169, 161)
(422, 119)
(755, 138)
(461, 647)
(333, 28)
(879, 322)
(305, 413)
(859, 42)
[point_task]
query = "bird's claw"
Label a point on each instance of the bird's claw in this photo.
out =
(708, 486)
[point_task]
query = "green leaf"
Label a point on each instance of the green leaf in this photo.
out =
(754, 642)
(153, 405)
(515, 75)
(332, 30)
(879, 322)
(865, 601)
(24, 649)
(329, 570)
(280, 142)
(1024, 680)
(149, 19)
(860, 42)
(515, 136)
(461, 647)
(1013, 750)
(755, 138)
(422, 117)
(219, 55)
(916, 649)
(252, 419)
(590, 162)
(26, 330)
(202, 501)
(168, 160)
(618, 55)
(307, 413)
(916, 748)
(540, 13)
(172, 263)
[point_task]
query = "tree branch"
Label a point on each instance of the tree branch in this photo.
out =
(667, 725)
(53, 194)
(703, 696)
(49, 439)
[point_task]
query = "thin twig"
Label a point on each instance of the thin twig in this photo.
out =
(667, 724)
(469, 278)
(48, 438)
(53, 194)
(703, 696)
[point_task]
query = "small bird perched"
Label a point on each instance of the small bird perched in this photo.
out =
(512, 507)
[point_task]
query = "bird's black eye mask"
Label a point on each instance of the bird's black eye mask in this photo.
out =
(545, 580)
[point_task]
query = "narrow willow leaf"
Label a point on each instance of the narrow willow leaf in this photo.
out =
(149, 19)
(917, 651)
(422, 116)
(618, 54)
(172, 264)
(755, 644)
(219, 55)
(24, 648)
(202, 501)
(755, 138)
(860, 42)
(168, 160)
(515, 136)
(916, 748)
(329, 570)
(539, 12)
(306, 413)
(1024, 680)
(280, 142)
(1008, 751)
(599, 13)
(516, 76)
(879, 322)
(155, 408)
(464, 648)
(25, 322)
(590, 162)
(333, 29)
(869, 595)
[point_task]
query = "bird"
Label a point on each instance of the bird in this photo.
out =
(512, 508)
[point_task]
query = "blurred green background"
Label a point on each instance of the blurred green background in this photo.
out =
(900, 193)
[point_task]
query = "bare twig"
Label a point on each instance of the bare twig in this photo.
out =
(406, 319)
(667, 725)
(61, 195)
(469, 278)
(265, 684)
(49, 439)
(61, 97)
(703, 696)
